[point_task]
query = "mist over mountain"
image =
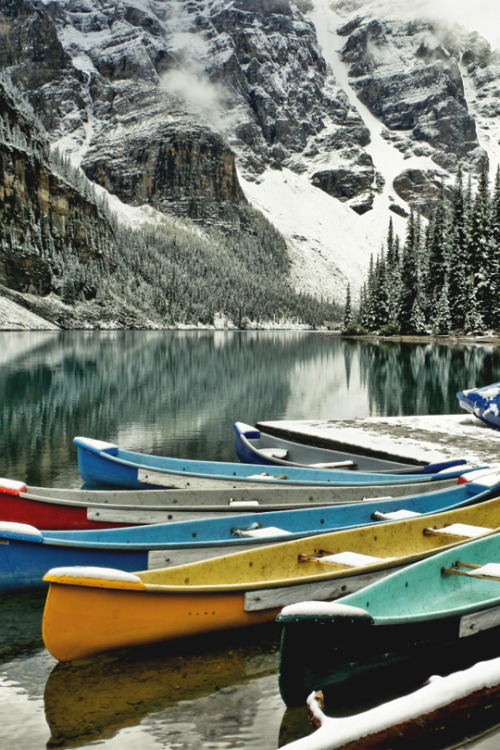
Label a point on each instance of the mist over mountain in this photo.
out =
(326, 117)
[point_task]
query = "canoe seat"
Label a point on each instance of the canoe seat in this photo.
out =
(258, 531)
(274, 452)
(394, 515)
(459, 531)
(342, 559)
(267, 476)
(334, 465)
(490, 571)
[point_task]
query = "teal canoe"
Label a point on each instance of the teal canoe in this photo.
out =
(441, 613)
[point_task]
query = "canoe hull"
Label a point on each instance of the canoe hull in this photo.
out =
(24, 563)
(105, 464)
(26, 554)
(437, 614)
(348, 657)
(483, 403)
(107, 619)
(47, 515)
(264, 578)
(441, 713)
(253, 446)
(55, 508)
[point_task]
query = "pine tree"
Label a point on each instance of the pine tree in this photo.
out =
(436, 265)
(348, 315)
(442, 319)
(495, 254)
(417, 318)
(480, 245)
(380, 297)
(473, 320)
(368, 320)
(409, 277)
(393, 264)
(456, 254)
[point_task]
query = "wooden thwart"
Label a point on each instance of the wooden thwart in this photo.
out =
(256, 530)
(489, 571)
(334, 465)
(345, 559)
(458, 531)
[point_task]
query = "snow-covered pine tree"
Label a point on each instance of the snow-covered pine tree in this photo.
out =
(495, 254)
(435, 260)
(442, 318)
(479, 246)
(348, 315)
(409, 276)
(456, 255)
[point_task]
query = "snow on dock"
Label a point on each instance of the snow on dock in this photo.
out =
(422, 439)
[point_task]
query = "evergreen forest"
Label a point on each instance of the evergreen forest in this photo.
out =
(443, 278)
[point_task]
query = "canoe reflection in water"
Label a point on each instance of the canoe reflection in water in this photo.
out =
(96, 698)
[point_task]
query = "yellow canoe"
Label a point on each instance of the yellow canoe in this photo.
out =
(91, 610)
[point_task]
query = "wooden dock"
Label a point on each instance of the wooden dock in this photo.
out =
(421, 439)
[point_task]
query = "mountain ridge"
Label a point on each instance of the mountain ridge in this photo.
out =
(330, 118)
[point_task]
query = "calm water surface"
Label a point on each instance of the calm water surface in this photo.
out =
(178, 393)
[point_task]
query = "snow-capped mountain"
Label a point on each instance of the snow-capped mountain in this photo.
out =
(330, 116)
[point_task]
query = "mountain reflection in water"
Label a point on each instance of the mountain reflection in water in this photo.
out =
(178, 393)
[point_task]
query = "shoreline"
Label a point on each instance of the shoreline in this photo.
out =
(424, 339)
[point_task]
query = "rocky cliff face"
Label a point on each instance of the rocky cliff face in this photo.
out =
(408, 74)
(195, 108)
(43, 217)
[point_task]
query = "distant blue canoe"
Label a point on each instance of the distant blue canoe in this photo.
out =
(483, 403)
(102, 463)
(26, 553)
(256, 447)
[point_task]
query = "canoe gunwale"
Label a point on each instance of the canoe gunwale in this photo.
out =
(146, 473)
(267, 586)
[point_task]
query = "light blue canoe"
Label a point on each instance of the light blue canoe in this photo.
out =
(102, 463)
(26, 553)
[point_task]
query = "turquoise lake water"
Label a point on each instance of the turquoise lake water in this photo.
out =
(179, 393)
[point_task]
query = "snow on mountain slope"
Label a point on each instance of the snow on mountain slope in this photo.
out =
(326, 247)
(329, 244)
(315, 159)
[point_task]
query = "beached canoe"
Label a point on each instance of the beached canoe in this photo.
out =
(443, 713)
(256, 447)
(26, 553)
(92, 609)
(438, 613)
(104, 463)
(58, 508)
(483, 403)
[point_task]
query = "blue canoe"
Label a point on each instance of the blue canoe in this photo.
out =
(483, 402)
(253, 446)
(102, 463)
(27, 553)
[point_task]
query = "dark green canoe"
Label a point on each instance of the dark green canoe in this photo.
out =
(440, 614)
